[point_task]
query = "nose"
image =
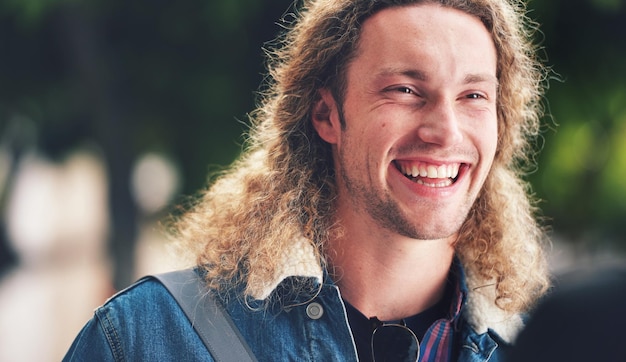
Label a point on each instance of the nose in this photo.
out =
(440, 125)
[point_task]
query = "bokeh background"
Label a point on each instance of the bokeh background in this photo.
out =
(112, 112)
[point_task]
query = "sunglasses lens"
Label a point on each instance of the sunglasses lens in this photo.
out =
(394, 343)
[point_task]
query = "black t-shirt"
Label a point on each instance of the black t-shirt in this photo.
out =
(362, 327)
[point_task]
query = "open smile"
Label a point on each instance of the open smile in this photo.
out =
(430, 175)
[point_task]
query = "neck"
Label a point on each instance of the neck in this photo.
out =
(387, 275)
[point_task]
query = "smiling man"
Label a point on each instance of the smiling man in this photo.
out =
(413, 140)
(378, 212)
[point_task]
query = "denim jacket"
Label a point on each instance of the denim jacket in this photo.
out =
(144, 323)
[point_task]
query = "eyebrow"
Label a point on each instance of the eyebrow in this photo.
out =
(411, 73)
(421, 76)
(481, 77)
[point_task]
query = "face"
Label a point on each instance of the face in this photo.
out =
(420, 121)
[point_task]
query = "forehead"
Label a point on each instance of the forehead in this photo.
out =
(428, 36)
(479, 13)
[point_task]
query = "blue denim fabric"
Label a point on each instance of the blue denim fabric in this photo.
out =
(144, 323)
(141, 323)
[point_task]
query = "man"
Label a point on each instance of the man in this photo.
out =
(381, 187)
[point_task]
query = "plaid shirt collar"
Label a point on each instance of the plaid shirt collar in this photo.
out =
(437, 343)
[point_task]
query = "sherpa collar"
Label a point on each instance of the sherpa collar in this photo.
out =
(481, 311)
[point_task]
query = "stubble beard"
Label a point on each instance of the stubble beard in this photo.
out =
(384, 211)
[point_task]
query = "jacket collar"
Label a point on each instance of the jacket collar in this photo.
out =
(484, 315)
(481, 312)
(297, 261)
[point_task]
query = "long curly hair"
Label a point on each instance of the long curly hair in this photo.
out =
(282, 188)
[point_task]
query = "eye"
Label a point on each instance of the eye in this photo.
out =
(399, 89)
(404, 94)
(405, 90)
(475, 96)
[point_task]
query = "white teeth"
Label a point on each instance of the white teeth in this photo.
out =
(445, 183)
(442, 170)
(432, 172)
(450, 171)
(453, 171)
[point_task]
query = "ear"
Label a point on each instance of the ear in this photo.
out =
(325, 117)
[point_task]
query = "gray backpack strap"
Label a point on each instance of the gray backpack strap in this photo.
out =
(207, 316)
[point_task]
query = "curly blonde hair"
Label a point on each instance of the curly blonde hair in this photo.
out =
(283, 186)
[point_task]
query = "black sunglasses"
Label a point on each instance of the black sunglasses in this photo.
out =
(393, 342)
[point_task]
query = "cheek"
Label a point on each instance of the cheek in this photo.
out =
(369, 135)
(361, 150)
(489, 144)
(487, 132)
(491, 137)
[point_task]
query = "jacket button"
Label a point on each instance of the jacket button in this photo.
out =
(314, 310)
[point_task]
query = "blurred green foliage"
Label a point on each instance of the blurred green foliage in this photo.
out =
(582, 174)
(179, 76)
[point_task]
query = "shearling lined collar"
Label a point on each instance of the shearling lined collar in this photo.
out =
(297, 261)
(482, 313)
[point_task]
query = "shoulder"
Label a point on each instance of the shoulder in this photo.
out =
(144, 301)
(141, 322)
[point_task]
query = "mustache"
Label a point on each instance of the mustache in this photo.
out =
(433, 150)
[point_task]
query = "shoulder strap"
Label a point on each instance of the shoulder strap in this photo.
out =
(207, 316)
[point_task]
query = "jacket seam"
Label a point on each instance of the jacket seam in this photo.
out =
(111, 335)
